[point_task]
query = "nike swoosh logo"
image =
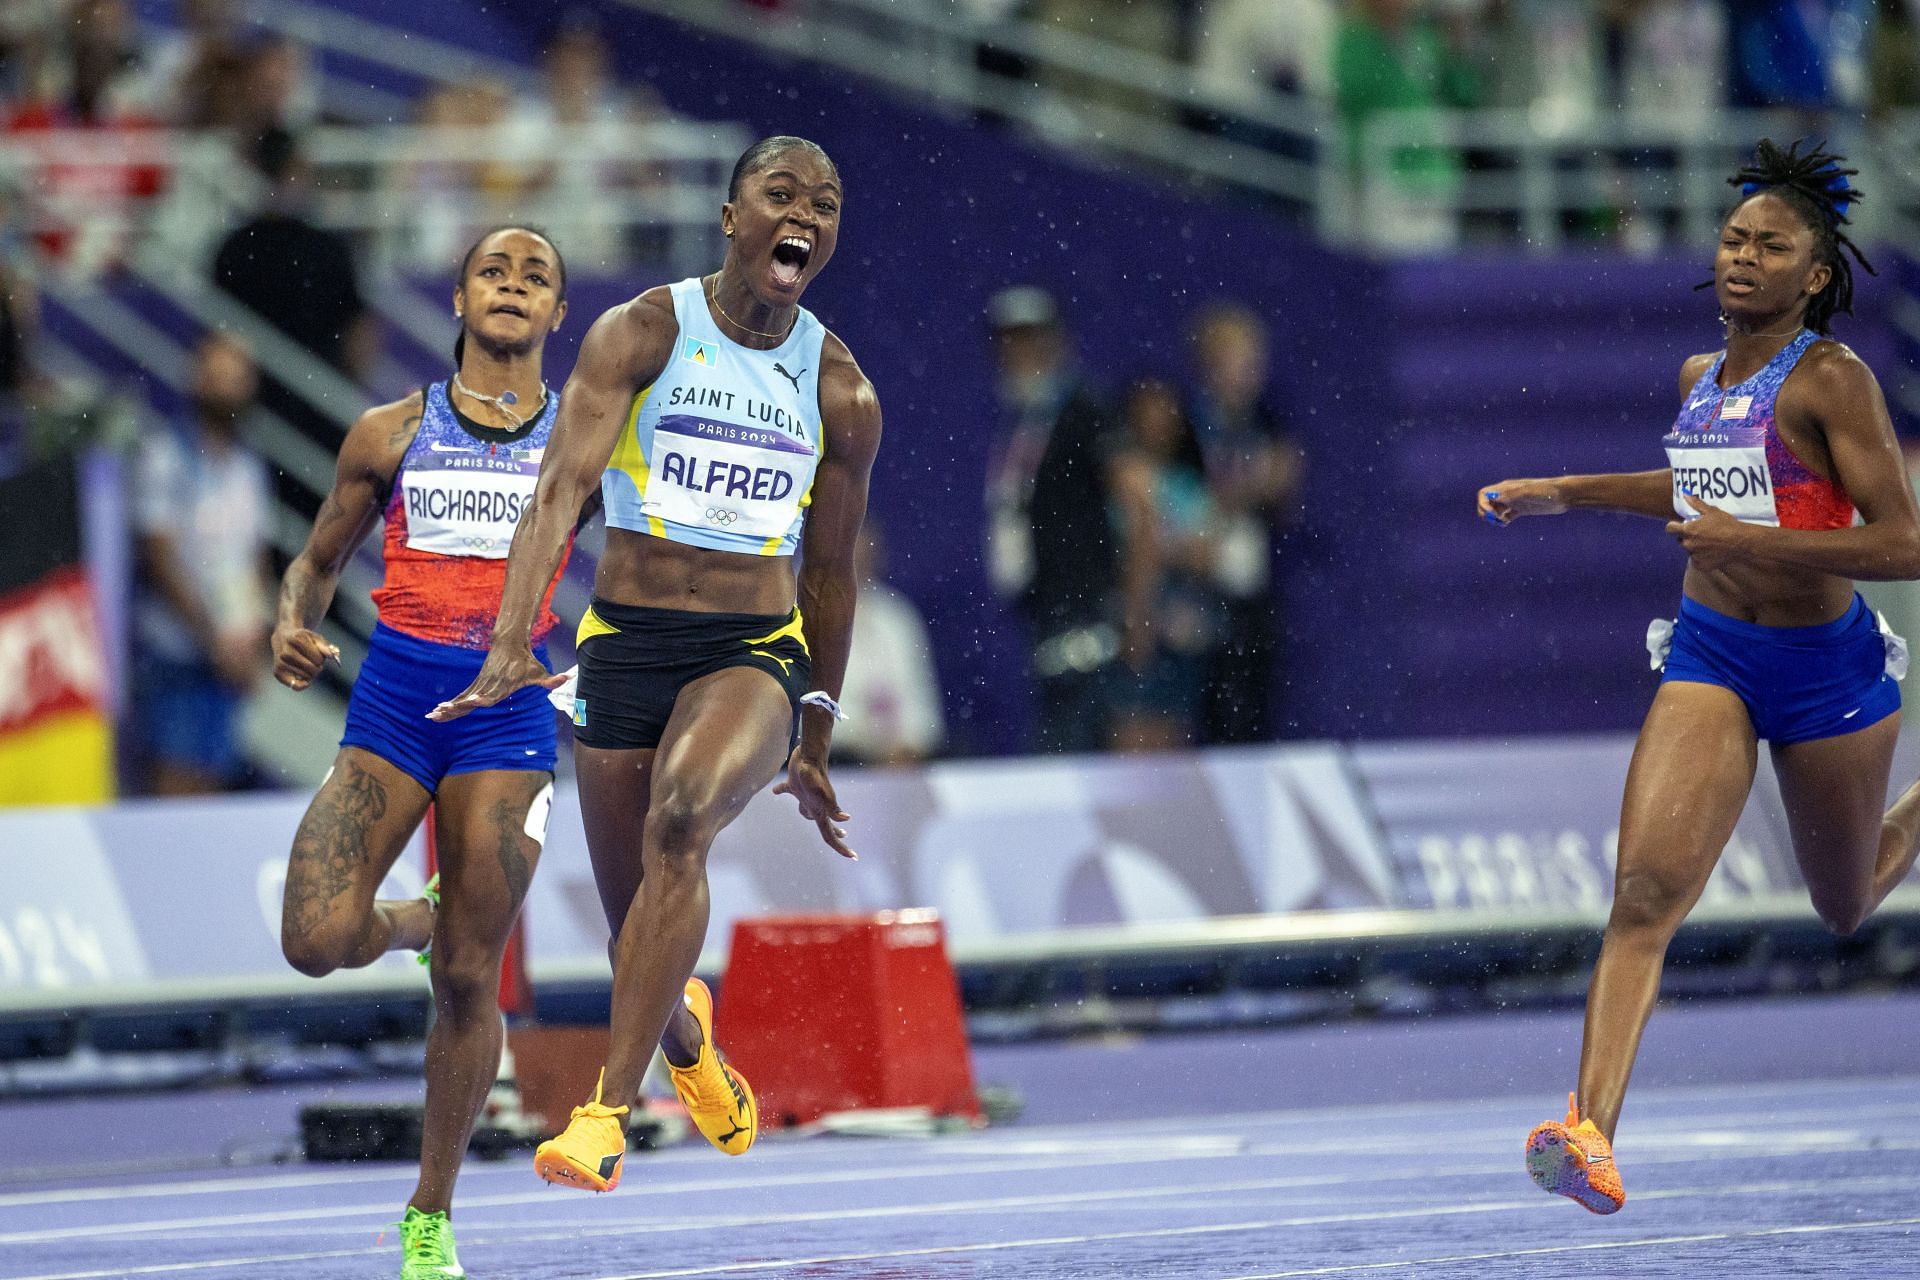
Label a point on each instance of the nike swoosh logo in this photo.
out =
(1851, 714)
(437, 447)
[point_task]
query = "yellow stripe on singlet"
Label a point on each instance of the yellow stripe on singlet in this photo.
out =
(632, 462)
(791, 631)
(591, 625)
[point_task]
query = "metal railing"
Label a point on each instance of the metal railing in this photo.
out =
(410, 196)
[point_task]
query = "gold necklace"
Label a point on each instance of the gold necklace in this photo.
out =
(713, 294)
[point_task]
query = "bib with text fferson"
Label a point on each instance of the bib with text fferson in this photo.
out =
(1725, 449)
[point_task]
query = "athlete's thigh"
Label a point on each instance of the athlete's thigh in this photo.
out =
(1835, 791)
(358, 823)
(615, 789)
(1692, 769)
(727, 739)
(491, 825)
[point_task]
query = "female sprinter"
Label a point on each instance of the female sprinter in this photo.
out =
(450, 468)
(1781, 438)
(727, 429)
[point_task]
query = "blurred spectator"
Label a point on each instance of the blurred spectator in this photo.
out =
(1247, 49)
(891, 694)
(1671, 60)
(1050, 548)
(1253, 469)
(299, 276)
(87, 202)
(603, 156)
(28, 30)
(1175, 614)
(179, 75)
(1393, 67)
(1893, 56)
(201, 510)
(1778, 54)
(450, 195)
(1544, 57)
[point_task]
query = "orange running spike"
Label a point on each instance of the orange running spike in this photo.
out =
(1572, 1158)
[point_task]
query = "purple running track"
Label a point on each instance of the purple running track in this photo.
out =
(1762, 1138)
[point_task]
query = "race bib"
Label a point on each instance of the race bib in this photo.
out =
(1735, 479)
(467, 511)
(721, 475)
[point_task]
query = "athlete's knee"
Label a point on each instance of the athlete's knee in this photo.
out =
(1647, 900)
(466, 980)
(680, 828)
(318, 951)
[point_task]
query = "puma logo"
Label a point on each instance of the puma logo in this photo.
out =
(731, 1134)
(786, 664)
(794, 378)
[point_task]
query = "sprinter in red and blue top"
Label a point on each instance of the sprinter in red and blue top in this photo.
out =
(1785, 485)
(450, 468)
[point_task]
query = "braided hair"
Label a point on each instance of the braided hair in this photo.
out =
(1814, 185)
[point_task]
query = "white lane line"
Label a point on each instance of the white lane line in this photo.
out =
(1884, 1224)
(1187, 1145)
(202, 1186)
(1648, 1131)
(476, 1238)
(161, 1268)
(1228, 1228)
(546, 1195)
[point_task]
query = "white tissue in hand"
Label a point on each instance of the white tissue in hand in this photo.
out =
(564, 695)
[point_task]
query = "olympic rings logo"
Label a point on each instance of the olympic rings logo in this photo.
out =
(474, 543)
(721, 516)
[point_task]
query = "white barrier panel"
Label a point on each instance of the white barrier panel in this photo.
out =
(180, 899)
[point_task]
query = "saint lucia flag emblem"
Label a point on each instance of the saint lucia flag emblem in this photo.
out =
(700, 352)
(580, 712)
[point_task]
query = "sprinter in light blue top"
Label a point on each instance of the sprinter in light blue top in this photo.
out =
(720, 451)
(733, 439)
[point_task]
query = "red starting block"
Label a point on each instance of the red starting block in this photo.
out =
(828, 1013)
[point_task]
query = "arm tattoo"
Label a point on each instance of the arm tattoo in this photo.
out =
(404, 433)
(330, 851)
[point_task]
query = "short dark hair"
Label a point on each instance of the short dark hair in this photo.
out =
(466, 263)
(761, 154)
(1814, 185)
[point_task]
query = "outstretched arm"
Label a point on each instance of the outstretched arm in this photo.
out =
(369, 457)
(620, 354)
(1634, 493)
(850, 424)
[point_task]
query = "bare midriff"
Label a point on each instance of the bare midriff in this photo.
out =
(640, 569)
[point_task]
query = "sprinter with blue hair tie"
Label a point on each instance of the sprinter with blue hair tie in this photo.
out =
(1782, 441)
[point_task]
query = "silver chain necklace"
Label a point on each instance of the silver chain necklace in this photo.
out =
(504, 402)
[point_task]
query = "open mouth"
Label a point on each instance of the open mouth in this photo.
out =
(1740, 284)
(790, 259)
(508, 309)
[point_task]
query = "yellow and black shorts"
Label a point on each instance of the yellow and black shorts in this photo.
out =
(635, 660)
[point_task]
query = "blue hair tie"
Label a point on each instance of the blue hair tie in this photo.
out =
(1836, 185)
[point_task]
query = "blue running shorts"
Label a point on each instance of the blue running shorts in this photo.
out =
(1799, 683)
(403, 678)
